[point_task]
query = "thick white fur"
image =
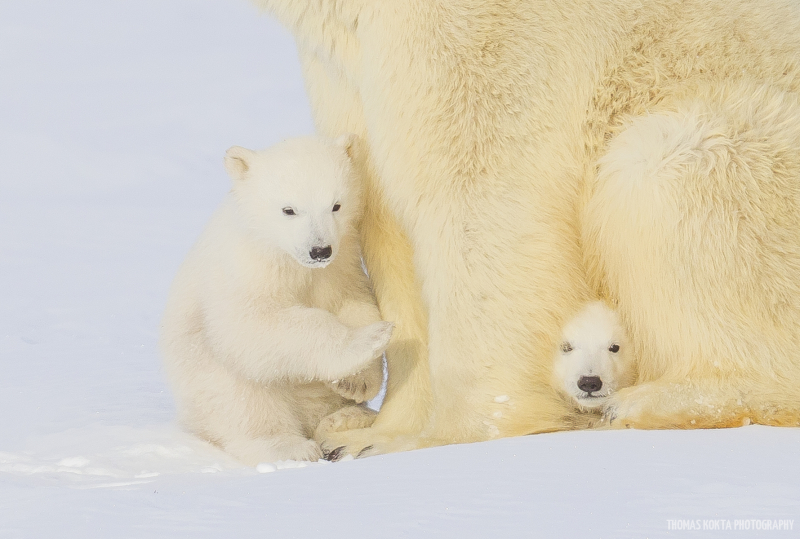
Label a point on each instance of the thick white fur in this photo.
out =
(260, 341)
(508, 182)
(593, 344)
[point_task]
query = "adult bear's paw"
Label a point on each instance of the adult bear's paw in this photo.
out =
(663, 405)
(347, 418)
(366, 443)
(337, 444)
(624, 409)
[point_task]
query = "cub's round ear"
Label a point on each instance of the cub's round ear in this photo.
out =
(237, 162)
(348, 142)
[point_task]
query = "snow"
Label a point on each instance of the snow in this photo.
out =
(114, 117)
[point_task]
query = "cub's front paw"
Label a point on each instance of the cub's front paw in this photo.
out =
(363, 385)
(370, 341)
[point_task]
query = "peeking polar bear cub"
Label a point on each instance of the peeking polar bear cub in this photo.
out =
(271, 336)
(593, 358)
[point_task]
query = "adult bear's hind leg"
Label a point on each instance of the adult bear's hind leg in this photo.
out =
(694, 229)
(406, 406)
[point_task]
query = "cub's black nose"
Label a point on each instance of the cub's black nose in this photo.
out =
(590, 383)
(321, 253)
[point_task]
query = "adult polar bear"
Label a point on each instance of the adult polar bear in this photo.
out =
(525, 154)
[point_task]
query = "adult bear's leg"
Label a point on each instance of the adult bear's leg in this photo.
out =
(472, 245)
(388, 256)
(406, 407)
(694, 228)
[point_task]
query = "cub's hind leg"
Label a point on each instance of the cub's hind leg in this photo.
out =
(252, 451)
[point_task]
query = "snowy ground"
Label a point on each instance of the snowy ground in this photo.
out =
(114, 117)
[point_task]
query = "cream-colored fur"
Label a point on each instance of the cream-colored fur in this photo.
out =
(715, 176)
(506, 187)
(593, 360)
(266, 345)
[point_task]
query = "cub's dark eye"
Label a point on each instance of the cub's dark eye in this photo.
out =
(288, 211)
(566, 347)
(337, 207)
(614, 348)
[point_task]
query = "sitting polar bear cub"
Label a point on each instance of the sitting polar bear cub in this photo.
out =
(593, 359)
(271, 334)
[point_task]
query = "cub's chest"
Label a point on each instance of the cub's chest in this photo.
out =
(283, 286)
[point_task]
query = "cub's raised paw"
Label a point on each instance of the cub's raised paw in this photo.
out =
(370, 341)
(361, 386)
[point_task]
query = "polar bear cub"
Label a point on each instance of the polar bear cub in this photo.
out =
(593, 358)
(271, 334)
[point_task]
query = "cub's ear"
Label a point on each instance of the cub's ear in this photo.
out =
(237, 162)
(348, 142)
